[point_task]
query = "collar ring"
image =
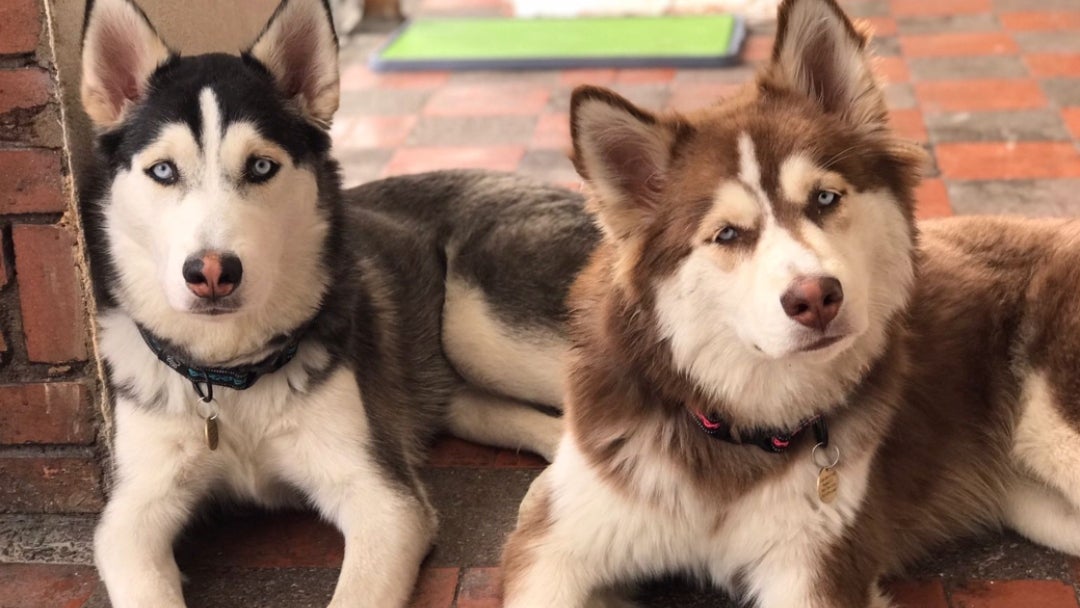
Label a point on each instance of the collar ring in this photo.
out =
(828, 458)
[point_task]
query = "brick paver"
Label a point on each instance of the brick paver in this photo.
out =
(46, 413)
(20, 26)
(1008, 160)
(30, 182)
(924, 594)
(436, 588)
(1041, 20)
(958, 44)
(979, 95)
(46, 585)
(54, 318)
(990, 87)
(938, 7)
(1014, 594)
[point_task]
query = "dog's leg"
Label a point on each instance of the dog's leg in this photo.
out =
(1043, 515)
(551, 561)
(1047, 445)
(388, 525)
(492, 420)
(858, 594)
(541, 571)
(159, 482)
(387, 530)
(532, 506)
(532, 495)
(372, 497)
(498, 357)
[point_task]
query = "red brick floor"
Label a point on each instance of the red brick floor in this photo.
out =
(990, 87)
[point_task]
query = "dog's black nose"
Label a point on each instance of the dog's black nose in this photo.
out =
(813, 301)
(211, 274)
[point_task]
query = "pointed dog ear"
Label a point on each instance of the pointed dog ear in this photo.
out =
(300, 49)
(623, 152)
(121, 50)
(821, 54)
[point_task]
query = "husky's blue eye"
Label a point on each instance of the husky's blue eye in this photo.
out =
(163, 172)
(826, 198)
(260, 169)
(727, 235)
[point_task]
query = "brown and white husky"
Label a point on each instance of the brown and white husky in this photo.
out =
(775, 386)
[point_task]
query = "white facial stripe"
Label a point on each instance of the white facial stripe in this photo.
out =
(211, 134)
(750, 173)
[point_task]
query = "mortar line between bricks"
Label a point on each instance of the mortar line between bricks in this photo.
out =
(18, 146)
(948, 584)
(37, 219)
(457, 586)
(17, 61)
(45, 373)
(49, 451)
(1070, 576)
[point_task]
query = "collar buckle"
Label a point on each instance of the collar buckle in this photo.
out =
(207, 394)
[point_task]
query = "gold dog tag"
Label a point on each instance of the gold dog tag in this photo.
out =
(212, 432)
(828, 484)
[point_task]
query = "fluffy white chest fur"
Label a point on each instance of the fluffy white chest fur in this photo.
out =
(262, 430)
(765, 538)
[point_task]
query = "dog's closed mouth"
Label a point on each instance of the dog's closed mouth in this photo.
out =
(215, 309)
(823, 343)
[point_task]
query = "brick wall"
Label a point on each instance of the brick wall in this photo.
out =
(49, 421)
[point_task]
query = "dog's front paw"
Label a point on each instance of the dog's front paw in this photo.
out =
(530, 501)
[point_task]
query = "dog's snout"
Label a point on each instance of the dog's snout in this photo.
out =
(813, 301)
(212, 275)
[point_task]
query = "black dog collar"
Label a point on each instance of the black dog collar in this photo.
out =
(769, 440)
(239, 378)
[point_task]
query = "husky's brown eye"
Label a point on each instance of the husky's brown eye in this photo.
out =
(727, 234)
(259, 169)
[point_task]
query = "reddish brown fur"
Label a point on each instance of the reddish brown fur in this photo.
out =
(993, 300)
(985, 285)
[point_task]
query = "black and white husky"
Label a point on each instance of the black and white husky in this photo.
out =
(270, 337)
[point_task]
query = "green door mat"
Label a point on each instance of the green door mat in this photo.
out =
(549, 44)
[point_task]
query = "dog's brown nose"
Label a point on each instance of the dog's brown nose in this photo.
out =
(813, 301)
(212, 275)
